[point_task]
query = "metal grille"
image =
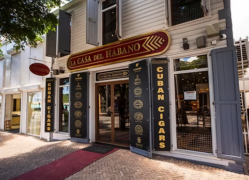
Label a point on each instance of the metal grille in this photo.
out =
(194, 142)
(186, 10)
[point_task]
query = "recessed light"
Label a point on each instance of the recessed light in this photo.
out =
(183, 79)
(199, 73)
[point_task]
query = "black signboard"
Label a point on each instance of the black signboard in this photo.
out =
(119, 74)
(79, 106)
(160, 104)
(139, 106)
(49, 105)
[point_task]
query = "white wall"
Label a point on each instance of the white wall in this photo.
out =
(15, 69)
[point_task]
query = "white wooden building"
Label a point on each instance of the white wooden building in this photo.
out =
(202, 81)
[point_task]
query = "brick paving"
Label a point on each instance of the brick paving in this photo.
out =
(20, 154)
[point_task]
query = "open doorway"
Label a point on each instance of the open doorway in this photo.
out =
(112, 113)
(12, 113)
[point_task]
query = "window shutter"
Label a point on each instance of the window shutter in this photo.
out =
(167, 12)
(227, 104)
(64, 32)
(92, 22)
(204, 7)
(51, 44)
(119, 19)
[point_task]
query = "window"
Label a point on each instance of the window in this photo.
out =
(193, 120)
(64, 105)
(34, 113)
(59, 42)
(187, 10)
(109, 21)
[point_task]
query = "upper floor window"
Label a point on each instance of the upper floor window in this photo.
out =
(58, 43)
(187, 10)
(109, 21)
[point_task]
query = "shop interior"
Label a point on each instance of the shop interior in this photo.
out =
(12, 112)
(193, 105)
(113, 125)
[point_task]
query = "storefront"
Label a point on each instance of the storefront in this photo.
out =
(131, 93)
(22, 110)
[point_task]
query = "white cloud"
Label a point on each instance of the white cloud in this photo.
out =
(189, 59)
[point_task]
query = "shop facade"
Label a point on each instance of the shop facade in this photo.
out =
(21, 91)
(137, 74)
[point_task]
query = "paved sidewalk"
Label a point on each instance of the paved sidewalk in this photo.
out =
(20, 154)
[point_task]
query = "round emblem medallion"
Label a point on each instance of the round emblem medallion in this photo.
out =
(78, 114)
(78, 95)
(138, 130)
(138, 91)
(78, 104)
(78, 124)
(138, 104)
(138, 116)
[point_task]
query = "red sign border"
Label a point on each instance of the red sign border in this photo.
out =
(118, 42)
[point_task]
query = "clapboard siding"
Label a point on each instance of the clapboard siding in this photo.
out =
(78, 34)
(142, 16)
(78, 41)
(138, 17)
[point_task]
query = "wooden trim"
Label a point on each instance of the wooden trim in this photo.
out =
(113, 114)
(112, 109)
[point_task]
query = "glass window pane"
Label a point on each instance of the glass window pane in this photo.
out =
(193, 112)
(109, 26)
(34, 113)
(64, 81)
(186, 10)
(108, 3)
(105, 113)
(121, 115)
(64, 109)
(188, 63)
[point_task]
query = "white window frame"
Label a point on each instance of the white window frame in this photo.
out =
(27, 111)
(58, 107)
(100, 23)
(168, 14)
(172, 73)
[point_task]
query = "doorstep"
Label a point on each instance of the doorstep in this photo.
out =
(60, 136)
(207, 159)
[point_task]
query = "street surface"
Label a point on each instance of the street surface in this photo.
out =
(21, 153)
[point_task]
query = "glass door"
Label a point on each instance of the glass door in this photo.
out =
(121, 116)
(112, 113)
(34, 113)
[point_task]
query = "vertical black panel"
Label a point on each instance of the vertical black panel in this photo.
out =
(139, 106)
(160, 105)
(227, 104)
(79, 105)
(51, 44)
(64, 32)
(49, 105)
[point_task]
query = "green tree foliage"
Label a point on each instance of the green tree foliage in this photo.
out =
(24, 21)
